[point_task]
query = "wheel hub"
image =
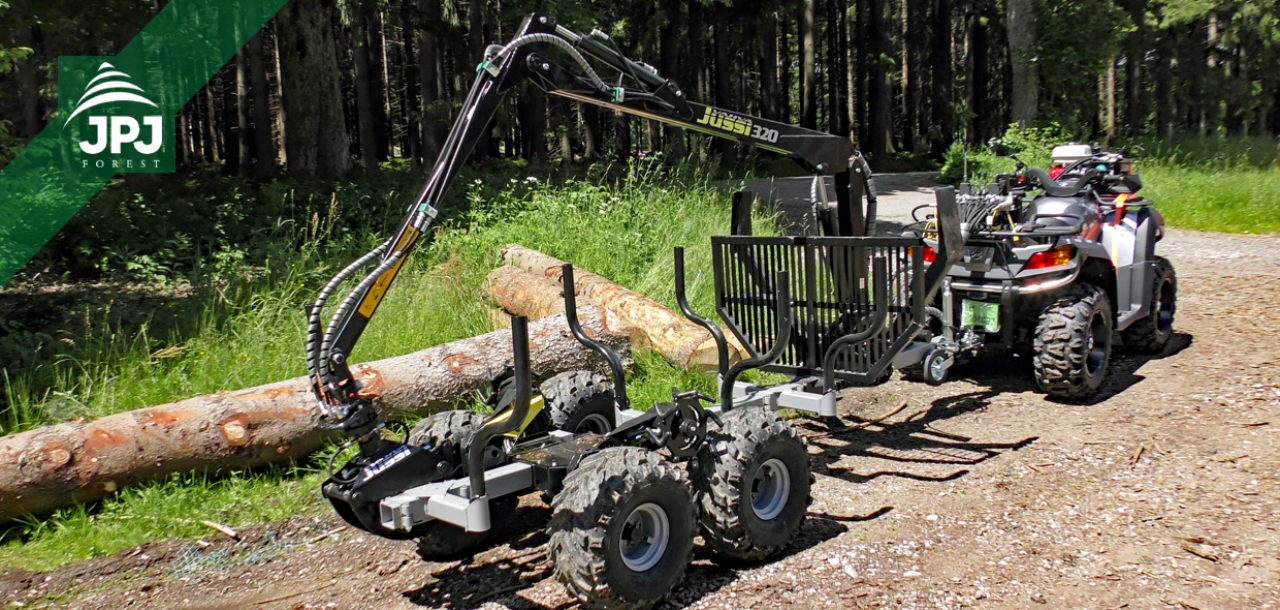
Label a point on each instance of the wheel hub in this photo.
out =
(770, 489)
(645, 536)
(595, 424)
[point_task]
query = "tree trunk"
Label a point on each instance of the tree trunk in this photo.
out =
(880, 89)
(1135, 110)
(670, 57)
(784, 69)
(1110, 92)
(264, 147)
(365, 118)
(316, 133)
(374, 24)
(767, 56)
(724, 86)
(211, 125)
(678, 340)
(64, 464)
(532, 111)
(834, 66)
(26, 76)
(428, 49)
(808, 75)
(1021, 23)
(589, 122)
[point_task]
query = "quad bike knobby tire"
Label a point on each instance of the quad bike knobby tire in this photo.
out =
(452, 432)
(1072, 345)
(752, 479)
(579, 401)
(622, 528)
(1150, 334)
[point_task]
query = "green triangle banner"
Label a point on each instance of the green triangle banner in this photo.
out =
(116, 115)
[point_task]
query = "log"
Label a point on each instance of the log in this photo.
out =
(63, 464)
(682, 342)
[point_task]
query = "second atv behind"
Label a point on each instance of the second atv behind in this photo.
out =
(1053, 267)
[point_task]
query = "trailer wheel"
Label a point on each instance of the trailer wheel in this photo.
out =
(1072, 346)
(752, 479)
(932, 370)
(579, 401)
(1150, 334)
(622, 528)
(439, 540)
(451, 432)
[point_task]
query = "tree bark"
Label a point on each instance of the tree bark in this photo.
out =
(316, 132)
(64, 464)
(428, 49)
(880, 89)
(1021, 24)
(264, 148)
(670, 57)
(375, 22)
(363, 67)
(724, 87)
(668, 333)
(808, 75)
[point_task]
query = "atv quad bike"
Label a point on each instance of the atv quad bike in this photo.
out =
(1053, 267)
(833, 310)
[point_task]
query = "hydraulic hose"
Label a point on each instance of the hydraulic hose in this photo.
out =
(554, 40)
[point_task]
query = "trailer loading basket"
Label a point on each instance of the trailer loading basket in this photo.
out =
(837, 328)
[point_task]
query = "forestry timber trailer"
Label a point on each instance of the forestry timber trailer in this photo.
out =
(624, 514)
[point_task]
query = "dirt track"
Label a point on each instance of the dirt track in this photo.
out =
(1164, 493)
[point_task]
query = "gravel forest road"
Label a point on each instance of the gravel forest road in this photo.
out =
(1163, 493)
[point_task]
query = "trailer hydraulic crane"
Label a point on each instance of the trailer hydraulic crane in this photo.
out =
(639, 90)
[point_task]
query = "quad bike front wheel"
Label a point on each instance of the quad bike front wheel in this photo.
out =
(752, 479)
(1150, 334)
(1072, 345)
(622, 529)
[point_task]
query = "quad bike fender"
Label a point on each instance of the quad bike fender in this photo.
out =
(1130, 244)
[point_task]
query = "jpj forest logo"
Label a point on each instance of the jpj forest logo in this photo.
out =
(111, 121)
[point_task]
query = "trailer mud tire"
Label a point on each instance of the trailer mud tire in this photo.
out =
(1072, 345)
(1150, 334)
(752, 480)
(451, 431)
(622, 529)
(579, 401)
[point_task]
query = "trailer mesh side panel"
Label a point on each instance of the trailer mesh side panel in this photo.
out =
(832, 295)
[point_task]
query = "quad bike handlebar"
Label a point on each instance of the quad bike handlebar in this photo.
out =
(1053, 188)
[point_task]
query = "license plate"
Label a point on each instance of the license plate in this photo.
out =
(980, 314)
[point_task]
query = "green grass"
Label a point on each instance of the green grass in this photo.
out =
(1237, 200)
(171, 508)
(246, 328)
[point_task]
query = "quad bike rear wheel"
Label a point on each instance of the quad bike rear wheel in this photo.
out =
(622, 529)
(1072, 345)
(1150, 334)
(752, 479)
(579, 401)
